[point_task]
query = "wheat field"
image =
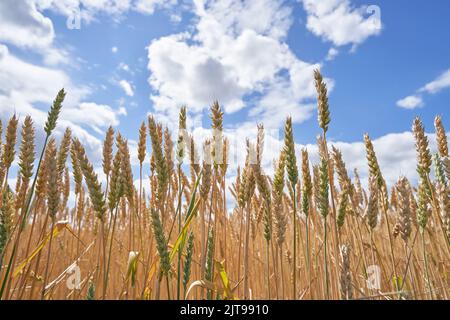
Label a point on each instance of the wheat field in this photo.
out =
(310, 231)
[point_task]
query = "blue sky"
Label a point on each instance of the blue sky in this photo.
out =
(129, 58)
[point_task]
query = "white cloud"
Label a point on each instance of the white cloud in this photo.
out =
(25, 87)
(332, 54)
(127, 87)
(23, 25)
(149, 6)
(410, 102)
(440, 83)
(176, 18)
(339, 22)
(286, 97)
(90, 9)
(271, 18)
(393, 164)
(236, 54)
(188, 74)
(33, 82)
(124, 67)
(114, 49)
(96, 115)
(86, 9)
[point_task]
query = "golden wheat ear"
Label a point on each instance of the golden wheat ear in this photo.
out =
(441, 137)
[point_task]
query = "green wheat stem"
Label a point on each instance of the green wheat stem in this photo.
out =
(325, 258)
(294, 291)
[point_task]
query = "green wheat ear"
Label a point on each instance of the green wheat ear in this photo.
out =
(209, 260)
(322, 101)
(323, 188)
(91, 291)
(53, 114)
(188, 262)
(6, 218)
(161, 243)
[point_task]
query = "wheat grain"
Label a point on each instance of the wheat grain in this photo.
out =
(26, 159)
(441, 137)
(322, 101)
(107, 151)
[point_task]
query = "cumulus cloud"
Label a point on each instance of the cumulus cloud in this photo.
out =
(410, 102)
(440, 83)
(267, 17)
(86, 10)
(96, 115)
(332, 54)
(437, 85)
(236, 54)
(127, 87)
(402, 161)
(26, 87)
(188, 74)
(89, 10)
(23, 25)
(149, 6)
(339, 22)
(124, 67)
(29, 88)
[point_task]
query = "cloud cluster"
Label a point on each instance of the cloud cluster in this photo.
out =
(29, 89)
(410, 102)
(337, 21)
(127, 87)
(236, 53)
(149, 6)
(24, 26)
(437, 85)
(90, 10)
(440, 83)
